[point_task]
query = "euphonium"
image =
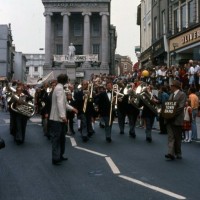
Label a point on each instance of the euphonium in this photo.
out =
(19, 105)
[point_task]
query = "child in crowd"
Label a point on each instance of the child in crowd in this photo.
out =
(187, 122)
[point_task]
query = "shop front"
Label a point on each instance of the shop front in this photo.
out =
(159, 54)
(146, 58)
(185, 47)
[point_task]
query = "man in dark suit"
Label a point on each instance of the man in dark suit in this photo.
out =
(125, 108)
(174, 125)
(84, 105)
(106, 109)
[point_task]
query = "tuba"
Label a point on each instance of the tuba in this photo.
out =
(25, 108)
(19, 104)
(147, 98)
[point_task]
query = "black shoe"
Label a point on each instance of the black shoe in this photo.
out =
(169, 157)
(148, 139)
(121, 132)
(108, 139)
(84, 138)
(56, 162)
(63, 158)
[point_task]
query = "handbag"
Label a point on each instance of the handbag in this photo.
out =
(2, 143)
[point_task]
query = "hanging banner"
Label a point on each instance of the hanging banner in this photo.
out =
(76, 58)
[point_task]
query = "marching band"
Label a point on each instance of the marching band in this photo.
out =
(104, 98)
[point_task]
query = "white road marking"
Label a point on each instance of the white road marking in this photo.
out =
(155, 188)
(73, 141)
(115, 170)
(90, 151)
(112, 165)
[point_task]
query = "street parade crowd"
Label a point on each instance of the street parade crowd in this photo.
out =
(169, 95)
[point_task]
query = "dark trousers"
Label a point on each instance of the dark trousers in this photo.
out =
(163, 129)
(12, 123)
(86, 124)
(20, 127)
(107, 127)
(132, 120)
(58, 139)
(149, 124)
(71, 124)
(174, 139)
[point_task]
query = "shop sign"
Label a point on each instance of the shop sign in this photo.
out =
(191, 36)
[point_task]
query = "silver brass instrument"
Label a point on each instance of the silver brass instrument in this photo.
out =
(147, 98)
(22, 107)
(133, 99)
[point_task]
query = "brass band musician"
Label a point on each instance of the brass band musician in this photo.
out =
(105, 104)
(19, 120)
(125, 108)
(84, 104)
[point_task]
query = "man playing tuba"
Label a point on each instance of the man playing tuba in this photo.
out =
(18, 119)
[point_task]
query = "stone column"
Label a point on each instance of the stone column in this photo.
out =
(86, 43)
(105, 39)
(86, 37)
(65, 32)
(48, 39)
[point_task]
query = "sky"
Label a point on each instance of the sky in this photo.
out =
(28, 25)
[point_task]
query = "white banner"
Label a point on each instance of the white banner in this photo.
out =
(77, 58)
(36, 81)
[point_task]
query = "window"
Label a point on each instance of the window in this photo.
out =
(183, 17)
(125, 67)
(36, 69)
(59, 49)
(96, 27)
(155, 28)
(79, 49)
(163, 23)
(176, 21)
(95, 49)
(59, 30)
(27, 70)
(191, 12)
(77, 29)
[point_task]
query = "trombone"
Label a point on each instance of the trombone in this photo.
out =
(88, 97)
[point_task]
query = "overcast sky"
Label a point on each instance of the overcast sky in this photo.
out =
(28, 24)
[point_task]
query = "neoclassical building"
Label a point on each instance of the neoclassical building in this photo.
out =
(86, 24)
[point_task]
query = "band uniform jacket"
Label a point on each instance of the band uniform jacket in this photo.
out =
(79, 103)
(180, 98)
(104, 104)
(59, 104)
